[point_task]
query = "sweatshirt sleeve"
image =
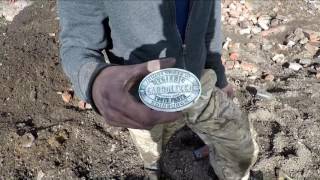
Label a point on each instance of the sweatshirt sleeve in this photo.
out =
(82, 38)
(214, 45)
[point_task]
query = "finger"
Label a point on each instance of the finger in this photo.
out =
(149, 117)
(154, 65)
(116, 118)
(141, 70)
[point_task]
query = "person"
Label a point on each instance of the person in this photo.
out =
(139, 37)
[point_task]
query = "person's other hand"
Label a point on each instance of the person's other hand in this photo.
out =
(229, 90)
(111, 96)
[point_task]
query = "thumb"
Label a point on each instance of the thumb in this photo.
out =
(154, 65)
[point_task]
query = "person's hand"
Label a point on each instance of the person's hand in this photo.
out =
(229, 90)
(111, 96)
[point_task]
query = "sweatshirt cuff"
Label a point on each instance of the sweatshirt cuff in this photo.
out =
(86, 76)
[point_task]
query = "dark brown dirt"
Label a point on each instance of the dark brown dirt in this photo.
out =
(70, 143)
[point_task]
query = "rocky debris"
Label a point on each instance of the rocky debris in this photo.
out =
(9, 10)
(239, 15)
(226, 43)
(305, 39)
(267, 45)
(313, 3)
(40, 175)
(267, 76)
(305, 62)
(84, 105)
(27, 140)
(259, 92)
(312, 35)
(249, 67)
(264, 21)
(311, 48)
(234, 56)
(279, 58)
(295, 66)
(274, 30)
(67, 95)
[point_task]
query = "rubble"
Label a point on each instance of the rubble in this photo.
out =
(67, 96)
(249, 67)
(295, 66)
(9, 10)
(27, 140)
(311, 48)
(234, 56)
(238, 14)
(84, 105)
(245, 31)
(226, 43)
(267, 46)
(279, 58)
(305, 62)
(268, 77)
(264, 21)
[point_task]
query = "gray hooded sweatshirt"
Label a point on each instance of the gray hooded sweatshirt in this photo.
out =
(136, 31)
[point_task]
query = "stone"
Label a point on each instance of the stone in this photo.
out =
(281, 18)
(229, 64)
(318, 75)
(299, 34)
(235, 13)
(291, 43)
(256, 30)
(244, 24)
(27, 140)
(261, 115)
(269, 77)
(295, 66)
(226, 43)
(305, 61)
(264, 21)
(67, 96)
(40, 175)
(234, 47)
(251, 46)
(274, 22)
(249, 67)
(234, 56)
(282, 47)
(304, 41)
(311, 48)
(279, 58)
(232, 6)
(267, 46)
(245, 31)
(233, 21)
(84, 105)
(253, 19)
(10, 10)
(312, 35)
(274, 30)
